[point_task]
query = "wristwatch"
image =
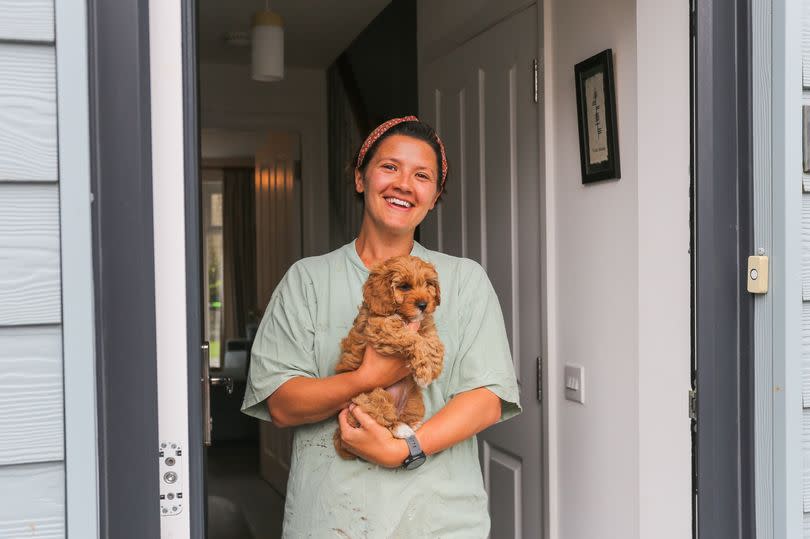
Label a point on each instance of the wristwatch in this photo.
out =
(416, 457)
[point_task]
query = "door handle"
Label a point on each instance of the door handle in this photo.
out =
(207, 381)
(226, 381)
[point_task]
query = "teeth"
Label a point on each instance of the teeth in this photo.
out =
(399, 202)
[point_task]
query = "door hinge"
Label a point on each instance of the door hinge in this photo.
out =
(693, 404)
(536, 80)
(539, 379)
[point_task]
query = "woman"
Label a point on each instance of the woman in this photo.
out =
(401, 171)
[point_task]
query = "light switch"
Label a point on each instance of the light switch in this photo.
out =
(575, 383)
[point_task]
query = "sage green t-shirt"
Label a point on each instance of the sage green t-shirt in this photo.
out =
(309, 313)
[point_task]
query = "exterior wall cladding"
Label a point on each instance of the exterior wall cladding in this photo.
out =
(806, 285)
(32, 463)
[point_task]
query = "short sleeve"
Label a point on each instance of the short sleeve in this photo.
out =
(484, 359)
(284, 346)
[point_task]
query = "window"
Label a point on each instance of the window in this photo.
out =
(212, 263)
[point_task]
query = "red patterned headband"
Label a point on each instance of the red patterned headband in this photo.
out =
(380, 130)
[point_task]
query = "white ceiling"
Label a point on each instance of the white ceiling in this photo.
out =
(315, 31)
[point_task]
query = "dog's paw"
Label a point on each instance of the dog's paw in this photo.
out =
(402, 431)
(423, 376)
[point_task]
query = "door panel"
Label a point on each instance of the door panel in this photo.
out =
(502, 475)
(480, 99)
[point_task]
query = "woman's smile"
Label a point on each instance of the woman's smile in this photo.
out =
(399, 204)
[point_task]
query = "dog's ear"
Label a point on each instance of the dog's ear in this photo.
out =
(437, 290)
(433, 281)
(378, 293)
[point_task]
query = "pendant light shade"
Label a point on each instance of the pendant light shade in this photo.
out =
(268, 47)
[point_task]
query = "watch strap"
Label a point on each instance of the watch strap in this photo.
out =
(413, 445)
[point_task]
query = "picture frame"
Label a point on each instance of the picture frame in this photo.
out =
(596, 115)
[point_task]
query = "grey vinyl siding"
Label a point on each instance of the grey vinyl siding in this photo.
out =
(32, 467)
(806, 285)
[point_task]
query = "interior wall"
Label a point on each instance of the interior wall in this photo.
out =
(231, 100)
(593, 253)
(665, 468)
(382, 62)
(617, 264)
(619, 251)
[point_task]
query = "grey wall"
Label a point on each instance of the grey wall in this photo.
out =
(805, 373)
(32, 484)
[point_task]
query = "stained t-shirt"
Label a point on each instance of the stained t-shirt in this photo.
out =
(309, 313)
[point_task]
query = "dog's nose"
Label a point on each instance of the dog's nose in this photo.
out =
(422, 305)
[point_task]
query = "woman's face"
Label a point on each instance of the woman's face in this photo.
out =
(400, 183)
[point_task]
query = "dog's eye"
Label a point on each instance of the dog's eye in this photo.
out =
(404, 287)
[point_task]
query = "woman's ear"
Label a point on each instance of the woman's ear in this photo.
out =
(436, 198)
(378, 293)
(358, 181)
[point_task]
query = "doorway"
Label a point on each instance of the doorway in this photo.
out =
(488, 92)
(251, 232)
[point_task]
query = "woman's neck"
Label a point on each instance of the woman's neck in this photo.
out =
(373, 246)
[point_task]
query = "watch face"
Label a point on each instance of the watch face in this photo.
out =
(411, 463)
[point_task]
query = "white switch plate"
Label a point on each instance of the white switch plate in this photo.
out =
(575, 383)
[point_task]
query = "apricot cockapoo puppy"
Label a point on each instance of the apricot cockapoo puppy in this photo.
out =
(399, 291)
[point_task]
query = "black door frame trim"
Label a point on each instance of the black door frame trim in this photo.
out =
(722, 239)
(123, 265)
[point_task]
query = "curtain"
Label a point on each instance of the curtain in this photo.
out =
(239, 251)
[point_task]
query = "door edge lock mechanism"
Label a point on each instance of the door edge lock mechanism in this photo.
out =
(170, 455)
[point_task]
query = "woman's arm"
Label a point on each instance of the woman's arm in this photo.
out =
(466, 414)
(303, 400)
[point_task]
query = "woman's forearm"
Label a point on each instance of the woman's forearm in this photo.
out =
(304, 400)
(465, 415)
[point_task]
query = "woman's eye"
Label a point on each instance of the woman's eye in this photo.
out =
(389, 166)
(404, 287)
(423, 176)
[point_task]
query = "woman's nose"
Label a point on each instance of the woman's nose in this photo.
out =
(403, 181)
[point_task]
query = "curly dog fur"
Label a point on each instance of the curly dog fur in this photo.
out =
(398, 291)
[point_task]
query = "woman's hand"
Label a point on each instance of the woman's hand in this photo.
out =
(378, 370)
(371, 441)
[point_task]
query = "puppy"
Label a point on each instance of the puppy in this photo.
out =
(399, 291)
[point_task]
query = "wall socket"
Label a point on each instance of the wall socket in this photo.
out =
(575, 383)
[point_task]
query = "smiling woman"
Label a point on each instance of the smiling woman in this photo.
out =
(400, 171)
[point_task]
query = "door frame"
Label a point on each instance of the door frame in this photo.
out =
(123, 230)
(722, 239)
(124, 269)
(197, 486)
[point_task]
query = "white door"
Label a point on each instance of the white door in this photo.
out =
(480, 97)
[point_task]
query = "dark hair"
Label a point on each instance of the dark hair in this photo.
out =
(418, 130)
